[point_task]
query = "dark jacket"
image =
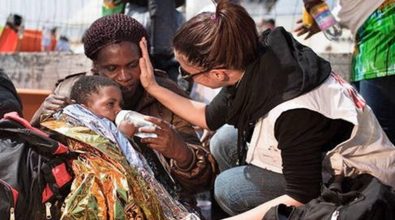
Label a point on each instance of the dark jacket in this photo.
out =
(9, 100)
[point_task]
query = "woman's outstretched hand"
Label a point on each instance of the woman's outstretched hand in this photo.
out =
(147, 76)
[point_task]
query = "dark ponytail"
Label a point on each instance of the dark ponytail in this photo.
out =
(226, 38)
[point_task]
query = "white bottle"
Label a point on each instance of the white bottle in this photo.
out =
(137, 120)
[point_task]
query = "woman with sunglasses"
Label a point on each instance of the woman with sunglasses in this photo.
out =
(285, 102)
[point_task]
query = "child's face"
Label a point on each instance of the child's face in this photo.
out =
(106, 103)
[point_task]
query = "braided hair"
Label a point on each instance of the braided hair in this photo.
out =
(85, 86)
(112, 29)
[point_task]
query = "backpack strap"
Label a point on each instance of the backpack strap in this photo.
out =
(58, 175)
(13, 116)
(15, 124)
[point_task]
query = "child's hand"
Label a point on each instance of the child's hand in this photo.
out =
(128, 129)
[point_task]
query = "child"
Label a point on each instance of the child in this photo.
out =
(100, 100)
(103, 97)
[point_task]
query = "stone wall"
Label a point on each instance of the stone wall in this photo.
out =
(42, 70)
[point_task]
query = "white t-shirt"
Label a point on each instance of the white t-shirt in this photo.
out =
(353, 13)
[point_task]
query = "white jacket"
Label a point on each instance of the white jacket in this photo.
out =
(368, 150)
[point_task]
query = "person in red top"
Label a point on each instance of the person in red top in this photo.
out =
(9, 36)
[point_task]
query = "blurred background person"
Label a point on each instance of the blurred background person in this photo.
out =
(373, 64)
(49, 40)
(11, 33)
(63, 44)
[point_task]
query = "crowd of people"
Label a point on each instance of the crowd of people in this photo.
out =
(284, 122)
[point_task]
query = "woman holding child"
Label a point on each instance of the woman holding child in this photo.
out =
(111, 42)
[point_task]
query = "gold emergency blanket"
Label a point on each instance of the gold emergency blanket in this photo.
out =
(112, 179)
(105, 186)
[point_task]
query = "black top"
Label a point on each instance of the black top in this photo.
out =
(217, 110)
(303, 137)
